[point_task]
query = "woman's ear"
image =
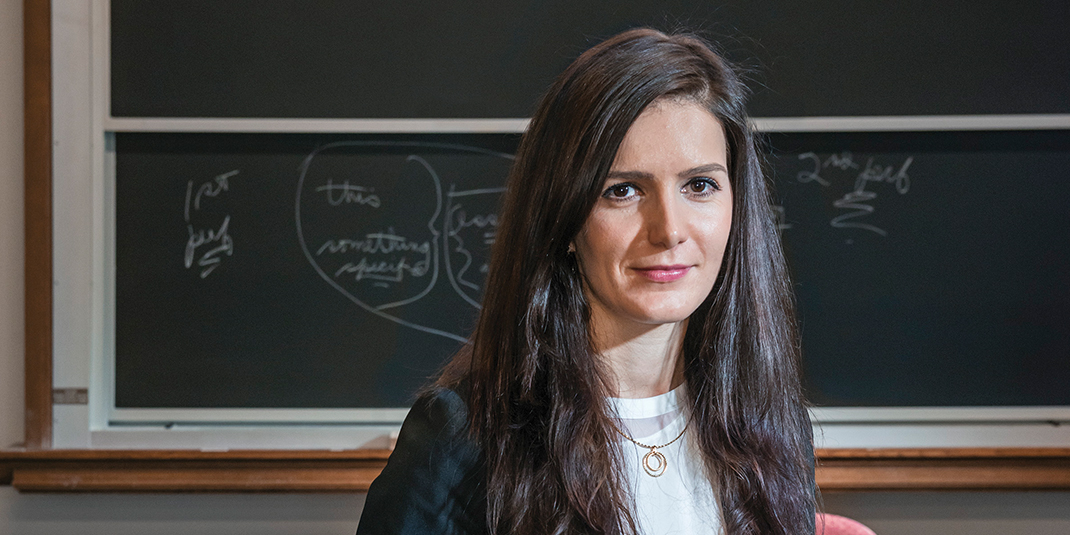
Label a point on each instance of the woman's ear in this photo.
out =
(571, 247)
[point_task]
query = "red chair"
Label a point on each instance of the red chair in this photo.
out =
(840, 525)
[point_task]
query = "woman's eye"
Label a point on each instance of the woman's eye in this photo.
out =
(619, 191)
(701, 187)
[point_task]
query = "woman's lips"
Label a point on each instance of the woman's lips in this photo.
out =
(663, 273)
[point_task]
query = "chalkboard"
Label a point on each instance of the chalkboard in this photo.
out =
(380, 59)
(286, 270)
(297, 270)
(931, 268)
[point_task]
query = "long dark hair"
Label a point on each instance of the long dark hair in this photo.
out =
(535, 389)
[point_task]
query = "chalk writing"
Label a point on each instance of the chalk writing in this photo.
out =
(383, 271)
(858, 201)
(842, 161)
(218, 239)
(381, 243)
(378, 242)
(209, 259)
(344, 193)
(461, 231)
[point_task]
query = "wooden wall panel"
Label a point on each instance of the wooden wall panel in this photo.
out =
(944, 469)
(354, 470)
(38, 219)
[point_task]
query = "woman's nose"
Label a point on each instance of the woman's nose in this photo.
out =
(666, 223)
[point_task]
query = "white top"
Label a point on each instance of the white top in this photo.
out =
(681, 499)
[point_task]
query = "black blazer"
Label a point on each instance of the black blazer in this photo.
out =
(435, 479)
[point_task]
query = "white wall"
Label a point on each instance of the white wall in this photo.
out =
(11, 227)
(178, 514)
(265, 514)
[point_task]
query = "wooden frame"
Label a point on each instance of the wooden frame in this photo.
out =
(37, 70)
(37, 468)
(354, 470)
(192, 470)
(944, 469)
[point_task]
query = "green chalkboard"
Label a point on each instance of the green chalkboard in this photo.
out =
(284, 270)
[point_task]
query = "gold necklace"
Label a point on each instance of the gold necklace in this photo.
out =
(653, 455)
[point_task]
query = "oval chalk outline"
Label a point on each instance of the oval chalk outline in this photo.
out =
(308, 255)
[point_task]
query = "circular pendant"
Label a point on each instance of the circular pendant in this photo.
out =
(654, 463)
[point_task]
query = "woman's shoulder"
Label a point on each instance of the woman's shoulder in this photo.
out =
(434, 481)
(437, 423)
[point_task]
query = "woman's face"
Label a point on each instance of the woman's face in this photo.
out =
(652, 247)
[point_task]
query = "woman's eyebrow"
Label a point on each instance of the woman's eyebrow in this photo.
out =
(630, 175)
(643, 175)
(703, 169)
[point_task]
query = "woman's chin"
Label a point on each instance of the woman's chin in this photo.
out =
(663, 316)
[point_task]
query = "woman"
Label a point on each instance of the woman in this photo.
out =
(634, 367)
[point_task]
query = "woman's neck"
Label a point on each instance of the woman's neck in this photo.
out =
(643, 362)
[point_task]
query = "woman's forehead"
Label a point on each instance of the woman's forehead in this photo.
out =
(673, 133)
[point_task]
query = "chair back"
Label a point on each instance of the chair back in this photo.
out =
(828, 524)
